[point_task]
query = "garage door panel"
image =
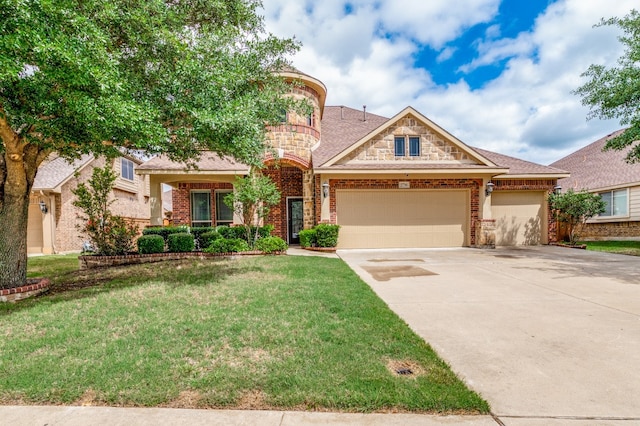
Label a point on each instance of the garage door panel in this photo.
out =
(520, 218)
(402, 218)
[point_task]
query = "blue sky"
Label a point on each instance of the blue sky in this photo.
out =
(496, 74)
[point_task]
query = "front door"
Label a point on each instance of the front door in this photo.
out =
(295, 219)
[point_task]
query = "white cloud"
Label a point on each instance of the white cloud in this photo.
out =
(528, 111)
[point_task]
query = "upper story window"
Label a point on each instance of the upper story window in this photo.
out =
(399, 146)
(617, 202)
(283, 116)
(414, 146)
(126, 169)
(310, 120)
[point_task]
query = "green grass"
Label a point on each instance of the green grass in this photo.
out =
(282, 332)
(620, 247)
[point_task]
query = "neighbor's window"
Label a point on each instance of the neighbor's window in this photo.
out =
(224, 215)
(200, 208)
(616, 202)
(126, 169)
(414, 147)
(399, 146)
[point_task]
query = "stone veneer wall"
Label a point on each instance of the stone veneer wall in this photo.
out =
(182, 200)
(432, 146)
(532, 185)
(471, 184)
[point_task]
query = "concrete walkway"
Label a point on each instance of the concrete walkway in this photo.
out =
(548, 335)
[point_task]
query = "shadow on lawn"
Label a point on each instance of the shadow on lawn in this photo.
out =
(80, 284)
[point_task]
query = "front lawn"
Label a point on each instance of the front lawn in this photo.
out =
(621, 247)
(285, 332)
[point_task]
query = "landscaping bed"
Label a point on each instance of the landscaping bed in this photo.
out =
(254, 332)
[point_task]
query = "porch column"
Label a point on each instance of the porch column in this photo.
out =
(486, 225)
(308, 199)
(155, 200)
(48, 225)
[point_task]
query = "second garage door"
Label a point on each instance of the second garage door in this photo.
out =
(521, 218)
(402, 218)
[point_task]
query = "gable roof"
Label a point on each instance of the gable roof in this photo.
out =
(592, 168)
(58, 171)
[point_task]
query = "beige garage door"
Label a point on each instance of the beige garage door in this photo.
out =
(34, 229)
(402, 218)
(521, 218)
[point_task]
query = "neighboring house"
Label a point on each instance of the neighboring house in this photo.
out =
(388, 182)
(54, 220)
(618, 182)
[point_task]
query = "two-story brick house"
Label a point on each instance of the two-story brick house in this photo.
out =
(389, 182)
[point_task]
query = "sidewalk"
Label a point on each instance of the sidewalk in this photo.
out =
(103, 416)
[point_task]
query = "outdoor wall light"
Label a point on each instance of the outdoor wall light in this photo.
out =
(43, 207)
(557, 189)
(489, 188)
(325, 189)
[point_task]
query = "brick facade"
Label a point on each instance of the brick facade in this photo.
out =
(611, 231)
(289, 182)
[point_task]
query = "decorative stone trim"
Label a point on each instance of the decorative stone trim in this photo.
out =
(33, 287)
(485, 234)
(91, 262)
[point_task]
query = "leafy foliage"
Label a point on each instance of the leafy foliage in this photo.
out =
(181, 243)
(205, 239)
(224, 245)
(614, 92)
(148, 244)
(251, 200)
(164, 231)
(326, 235)
(271, 244)
(575, 208)
(307, 238)
(109, 234)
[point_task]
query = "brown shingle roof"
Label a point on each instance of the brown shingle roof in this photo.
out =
(517, 166)
(208, 162)
(55, 172)
(592, 168)
(341, 128)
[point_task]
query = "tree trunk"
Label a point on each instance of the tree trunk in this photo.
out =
(13, 241)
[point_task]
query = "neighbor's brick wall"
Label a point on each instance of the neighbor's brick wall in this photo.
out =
(533, 185)
(289, 182)
(182, 200)
(611, 231)
(473, 185)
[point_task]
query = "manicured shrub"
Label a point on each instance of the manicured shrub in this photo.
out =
(197, 235)
(271, 244)
(148, 244)
(307, 238)
(207, 238)
(180, 242)
(232, 232)
(327, 235)
(223, 245)
(165, 231)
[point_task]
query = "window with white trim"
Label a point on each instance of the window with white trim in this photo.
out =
(414, 146)
(200, 208)
(616, 202)
(399, 146)
(224, 215)
(126, 168)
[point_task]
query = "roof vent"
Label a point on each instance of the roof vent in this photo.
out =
(364, 110)
(342, 113)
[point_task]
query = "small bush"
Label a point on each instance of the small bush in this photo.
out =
(207, 238)
(165, 231)
(307, 238)
(271, 244)
(148, 244)
(327, 235)
(232, 232)
(180, 242)
(223, 245)
(197, 235)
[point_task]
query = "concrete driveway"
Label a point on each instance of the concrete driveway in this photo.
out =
(548, 335)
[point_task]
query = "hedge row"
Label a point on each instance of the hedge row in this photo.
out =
(322, 235)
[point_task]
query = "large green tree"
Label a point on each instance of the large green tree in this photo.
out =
(93, 76)
(614, 92)
(575, 208)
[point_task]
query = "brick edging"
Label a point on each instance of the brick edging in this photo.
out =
(93, 261)
(30, 289)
